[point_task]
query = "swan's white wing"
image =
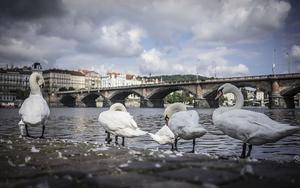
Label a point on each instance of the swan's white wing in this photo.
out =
(163, 136)
(34, 110)
(120, 123)
(252, 127)
(185, 124)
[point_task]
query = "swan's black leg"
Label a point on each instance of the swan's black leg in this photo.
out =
(43, 132)
(123, 141)
(175, 144)
(116, 140)
(172, 147)
(243, 155)
(249, 151)
(108, 139)
(194, 143)
(27, 133)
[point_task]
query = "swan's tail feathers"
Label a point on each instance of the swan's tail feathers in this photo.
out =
(156, 138)
(162, 139)
(139, 132)
(289, 131)
(32, 120)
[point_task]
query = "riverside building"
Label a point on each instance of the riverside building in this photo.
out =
(14, 83)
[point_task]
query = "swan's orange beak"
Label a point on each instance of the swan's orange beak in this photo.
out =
(220, 93)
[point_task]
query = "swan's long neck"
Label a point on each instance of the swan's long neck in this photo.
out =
(239, 103)
(33, 83)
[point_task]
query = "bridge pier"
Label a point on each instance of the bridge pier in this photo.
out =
(157, 103)
(145, 103)
(79, 103)
(278, 101)
(53, 100)
(201, 103)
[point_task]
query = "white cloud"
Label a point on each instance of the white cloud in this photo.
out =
(154, 62)
(102, 32)
(295, 52)
(119, 39)
(214, 63)
(237, 20)
(214, 20)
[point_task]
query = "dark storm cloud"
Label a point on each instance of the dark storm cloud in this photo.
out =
(19, 22)
(14, 10)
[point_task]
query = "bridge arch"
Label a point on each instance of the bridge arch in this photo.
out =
(289, 93)
(120, 96)
(156, 97)
(89, 99)
(68, 100)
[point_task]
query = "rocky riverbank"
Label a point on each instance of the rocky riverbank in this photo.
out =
(60, 163)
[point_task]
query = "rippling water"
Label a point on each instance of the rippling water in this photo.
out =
(81, 124)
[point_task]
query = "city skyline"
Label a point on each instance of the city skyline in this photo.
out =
(222, 38)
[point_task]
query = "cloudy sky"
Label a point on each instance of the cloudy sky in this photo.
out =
(216, 37)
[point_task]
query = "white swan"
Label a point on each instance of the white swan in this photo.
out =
(251, 128)
(119, 122)
(163, 136)
(34, 110)
(184, 124)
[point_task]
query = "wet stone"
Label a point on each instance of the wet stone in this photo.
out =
(61, 163)
(133, 180)
(198, 175)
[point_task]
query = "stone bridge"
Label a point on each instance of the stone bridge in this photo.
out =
(280, 88)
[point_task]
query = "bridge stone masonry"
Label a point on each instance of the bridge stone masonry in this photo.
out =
(281, 89)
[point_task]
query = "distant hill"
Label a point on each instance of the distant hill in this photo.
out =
(176, 77)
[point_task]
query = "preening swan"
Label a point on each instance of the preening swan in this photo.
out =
(34, 110)
(184, 124)
(119, 122)
(251, 128)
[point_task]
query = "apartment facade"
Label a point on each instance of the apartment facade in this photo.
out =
(92, 79)
(57, 79)
(114, 79)
(14, 82)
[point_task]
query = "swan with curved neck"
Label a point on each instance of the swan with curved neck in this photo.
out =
(250, 127)
(36, 81)
(34, 110)
(183, 123)
(119, 122)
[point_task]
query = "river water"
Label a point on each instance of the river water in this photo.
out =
(81, 124)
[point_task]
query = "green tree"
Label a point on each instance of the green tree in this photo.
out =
(22, 94)
(63, 89)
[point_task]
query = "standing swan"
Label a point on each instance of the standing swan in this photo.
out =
(251, 128)
(184, 124)
(34, 110)
(119, 122)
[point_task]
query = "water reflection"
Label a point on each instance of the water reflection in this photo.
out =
(81, 124)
